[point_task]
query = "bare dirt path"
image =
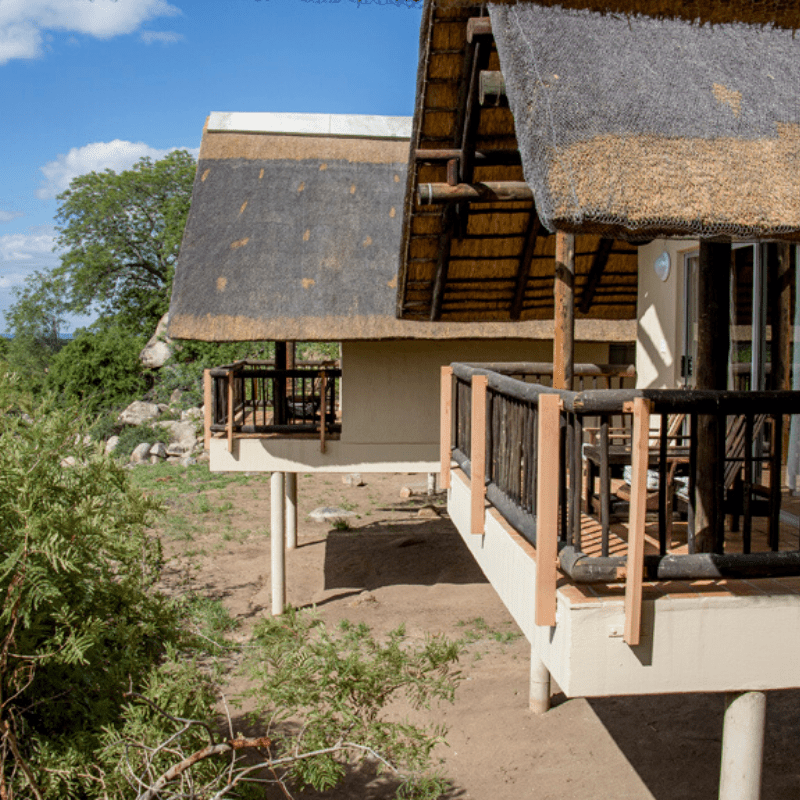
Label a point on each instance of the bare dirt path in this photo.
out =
(399, 565)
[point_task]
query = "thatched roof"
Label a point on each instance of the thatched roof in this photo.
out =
(492, 260)
(621, 127)
(654, 127)
(294, 234)
(777, 13)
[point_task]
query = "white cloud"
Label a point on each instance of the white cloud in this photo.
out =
(22, 22)
(163, 37)
(12, 279)
(97, 156)
(7, 216)
(21, 247)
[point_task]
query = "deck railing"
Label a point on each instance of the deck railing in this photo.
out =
(251, 398)
(524, 448)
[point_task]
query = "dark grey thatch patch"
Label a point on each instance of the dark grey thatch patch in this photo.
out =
(654, 126)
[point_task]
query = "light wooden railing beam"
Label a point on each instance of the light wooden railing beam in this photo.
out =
(548, 467)
(478, 455)
(446, 425)
(636, 521)
(208, 387)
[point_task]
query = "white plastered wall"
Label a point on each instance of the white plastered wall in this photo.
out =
(659, 342)
(390, 408)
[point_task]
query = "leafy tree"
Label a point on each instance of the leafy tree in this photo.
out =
(120, 233)
(99, 368)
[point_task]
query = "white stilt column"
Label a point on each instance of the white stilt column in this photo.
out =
(432, 483)
(277, 536)
(291, 510)
(539, 700)
(742, 746)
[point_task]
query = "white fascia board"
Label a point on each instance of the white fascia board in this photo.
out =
(364, 125)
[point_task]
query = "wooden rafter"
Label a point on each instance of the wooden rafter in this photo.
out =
(599, 262)
(531, 235)
(442, 264)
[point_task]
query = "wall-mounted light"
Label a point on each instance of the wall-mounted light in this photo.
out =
(662, 265)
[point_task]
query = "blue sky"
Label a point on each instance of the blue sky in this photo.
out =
(90, 84)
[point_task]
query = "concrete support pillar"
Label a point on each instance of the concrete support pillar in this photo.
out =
(277, 537)
(539, 700)
(291, 510)
(431, 483)
(742, 746)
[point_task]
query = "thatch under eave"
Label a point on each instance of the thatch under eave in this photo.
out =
(654, 127)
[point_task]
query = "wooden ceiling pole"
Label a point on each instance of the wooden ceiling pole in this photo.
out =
(524, 268)
(598, 267)
(564, 312)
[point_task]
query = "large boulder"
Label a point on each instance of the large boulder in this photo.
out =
(157, 351)
(182, 434)
(139, 412)
(140, 453)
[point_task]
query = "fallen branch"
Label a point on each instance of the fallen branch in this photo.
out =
(207, 752)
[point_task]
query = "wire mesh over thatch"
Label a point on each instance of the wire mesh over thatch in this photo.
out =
(654, 127)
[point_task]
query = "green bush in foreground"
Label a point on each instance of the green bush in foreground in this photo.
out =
(79, 623)
(100, 696)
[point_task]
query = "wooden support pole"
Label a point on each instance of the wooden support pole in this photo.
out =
(636, 521)
(208, 399)
(547, 475)
(446, 425)
(478, 455)
(564, 290)
(780, 291)
(711, 370)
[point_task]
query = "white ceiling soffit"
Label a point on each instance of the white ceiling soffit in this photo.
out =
(311, 124)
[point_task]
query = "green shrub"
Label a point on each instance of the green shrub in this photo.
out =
(99, 368)
(80, 623)
(131, 436)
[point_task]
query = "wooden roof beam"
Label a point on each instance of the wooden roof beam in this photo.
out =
(484, 158)
(599, 263)
(531, 235)
(486, 192)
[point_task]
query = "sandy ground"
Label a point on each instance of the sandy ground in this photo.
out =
(396, 566)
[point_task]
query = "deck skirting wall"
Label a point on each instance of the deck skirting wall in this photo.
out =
(304, 455)
(696, 637)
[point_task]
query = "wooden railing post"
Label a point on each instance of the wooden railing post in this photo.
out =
(208, 388)
(231, 410)
(446, 426)
(478, 454)
(323, 417)
(547, 466)
(636, 521)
